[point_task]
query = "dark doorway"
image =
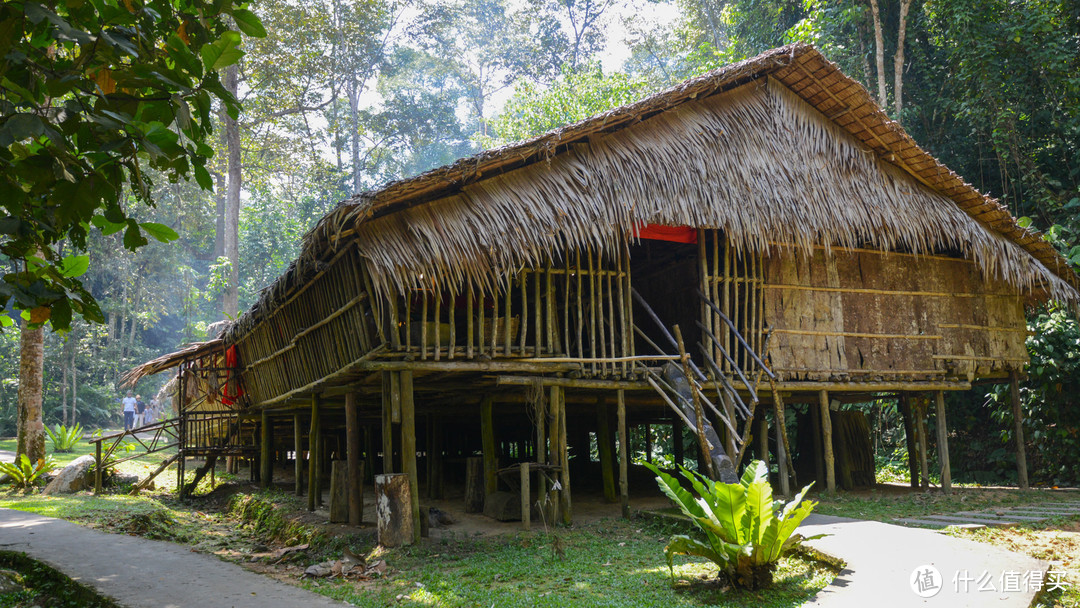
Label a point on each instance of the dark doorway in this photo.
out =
(666, 274)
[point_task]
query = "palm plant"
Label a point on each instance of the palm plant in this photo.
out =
(64, 438)
(746, 532)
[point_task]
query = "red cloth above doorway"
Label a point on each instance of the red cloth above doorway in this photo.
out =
(675, 234)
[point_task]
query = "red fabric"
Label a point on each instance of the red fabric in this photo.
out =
(675, 234)
(232, 391)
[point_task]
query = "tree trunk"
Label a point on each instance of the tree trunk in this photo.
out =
(898, 59)
(354, 131)
(64, 379)
(31, 367)
(134, 313)
(74, 388)
(879, 53)
(232, 201)
(220, 188)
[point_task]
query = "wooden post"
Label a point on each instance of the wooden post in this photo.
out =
(474, 484)
(339, 492)
(781, 460)
(943, 443)
(624, 485)
(352, 456)
(1018, 432)
(298, 460)
(388, 379)
(563, 458)
(487, 436)
(819, 446)
(920, 422)
(314, 447)
(605, 449)
(783, 446)
(910, 440)
(393, 510)
(97, 468)
(826, 437)
(266, 462)
(408, 446)
(762, 435)
(526, 500)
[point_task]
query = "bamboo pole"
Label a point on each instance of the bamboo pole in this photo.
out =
(609, 300)
(538, 331)
(507, 302)
(469, 323)
(826, 435)
(726, 304)
(523, 283)
(624, 485)
(452, 313)
(424, 326)
(408, 321)
(943, 443)
(580, 316)
(549, 317)
(592, 309)
(1018, 429)
(436, 322)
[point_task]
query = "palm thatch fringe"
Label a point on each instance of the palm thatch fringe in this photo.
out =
(756, 161)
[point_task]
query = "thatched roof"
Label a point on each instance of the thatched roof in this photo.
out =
(783, 146)
(164, 362)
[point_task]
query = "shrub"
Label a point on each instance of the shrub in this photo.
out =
(746, 533)
(64, 438)
(23, 474)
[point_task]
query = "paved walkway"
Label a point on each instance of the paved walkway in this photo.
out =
(998, 518)
(881, 559)
(138, 573)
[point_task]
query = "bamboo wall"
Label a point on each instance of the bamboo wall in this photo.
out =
(578, 308)
(861, 314)
(316, 332)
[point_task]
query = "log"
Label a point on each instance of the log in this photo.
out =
(826, 436)
(352, 455)
(393, 510)
(943, 443)
(474, 484)
(339, 491)
(1018, 430)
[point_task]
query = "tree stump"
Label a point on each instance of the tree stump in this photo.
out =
(474, 484)
(393, 509)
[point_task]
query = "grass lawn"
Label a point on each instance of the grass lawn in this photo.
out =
(609, 563)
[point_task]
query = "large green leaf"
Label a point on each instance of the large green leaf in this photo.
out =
(674, 490)
(759, 501)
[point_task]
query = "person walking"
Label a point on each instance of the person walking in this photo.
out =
(129, 410)
(140, 412)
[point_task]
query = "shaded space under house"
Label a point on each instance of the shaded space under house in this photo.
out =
(754, 238)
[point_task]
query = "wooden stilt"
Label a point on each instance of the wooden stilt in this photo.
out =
(910, 439)
(1018, 430)
(761, 433)
(624, 458)
(943, 442)
(920, 422)
(298, 460)
(604, 446)
(352, 457)
(783, 449)
(370, 459)
(266, 462)
(487, 435)
(97, 468)
(826, 438)
(408, 446)
(314, 436)
(526, 499)
(388, 378)
(781, 459)
(819, 446)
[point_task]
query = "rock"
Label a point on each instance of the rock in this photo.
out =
(10, 582)
(73, 477)
(123, 479)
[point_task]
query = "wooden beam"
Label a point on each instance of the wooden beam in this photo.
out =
(943, 443)
(266, 462)
(408, 446)
(487, 437)
(826, 437)
(352, 457)
(314, 435)
(624, 485)
(1018, 430)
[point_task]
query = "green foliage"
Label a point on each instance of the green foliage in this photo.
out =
(64, 438)
(97, 97)
(1048, 397)
(23, 473)
(746, 532)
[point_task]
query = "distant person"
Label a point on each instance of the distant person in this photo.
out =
(129, 410)
(140, 412)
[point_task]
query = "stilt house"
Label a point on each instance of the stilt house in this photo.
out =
(759, 236)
